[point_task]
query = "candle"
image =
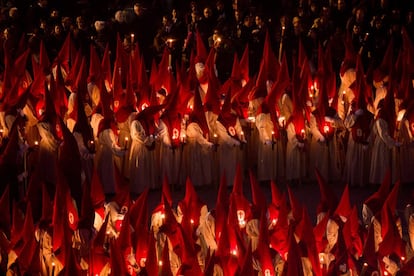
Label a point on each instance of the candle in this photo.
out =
(191, 221)
(159, 263)
(53, 268)
(326, 129)
(273, 136)
(126, 142)
(242, 136)
(132, 37)
(302, 132)
(233, 252)
(364, 269)
(36, 143)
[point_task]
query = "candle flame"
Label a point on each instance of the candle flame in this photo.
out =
(160, 263)
(36, 143)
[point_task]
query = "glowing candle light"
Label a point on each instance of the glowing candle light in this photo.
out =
(36, 143)
(326, 129)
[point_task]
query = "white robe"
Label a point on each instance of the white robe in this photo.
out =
(229, 151)
(358, 158)
(296, 156)
(142, 164)
(382, 152)
(198, 156)
(270, 163)
(170, 158)
(108, 148)
(324, 155)
(48, 153)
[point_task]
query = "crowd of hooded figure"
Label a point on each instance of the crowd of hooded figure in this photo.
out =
(83, 134)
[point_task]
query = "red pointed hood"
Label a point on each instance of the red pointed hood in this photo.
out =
(350, 55)
(198, 116)
(304, 230)
(294, 262)
(389, 207)
(74, 71)
(151, 263)
(328, 201)
(95, 68)
(258, 197)
(386, 65)
(201, 49)
(295, 205)
(244, 64)
(66, 54)
(263, 249)
(344, 207)
(191, 204)
(377, 199)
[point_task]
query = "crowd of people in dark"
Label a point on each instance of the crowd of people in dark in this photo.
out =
(174, 24)
(103, 101)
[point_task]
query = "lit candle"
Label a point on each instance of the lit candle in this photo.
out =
(126, 142)
(159, 263)
(242, 136)
(53, 268)
(274, 221)
(36, 143)
(142, 262)
(364, 269)
(191, 221)
(326, 129)
(302, 132)
(132, 37)
(273, 136)
(234, 252)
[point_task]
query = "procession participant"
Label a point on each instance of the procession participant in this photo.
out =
(348, 75)
(107, 145)
(384, 142)
(296, 147)
(199, 154)
(142, 164)
(359, 121)
(381, 77)
(324, 122)
(230, 139)
(270, 165)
